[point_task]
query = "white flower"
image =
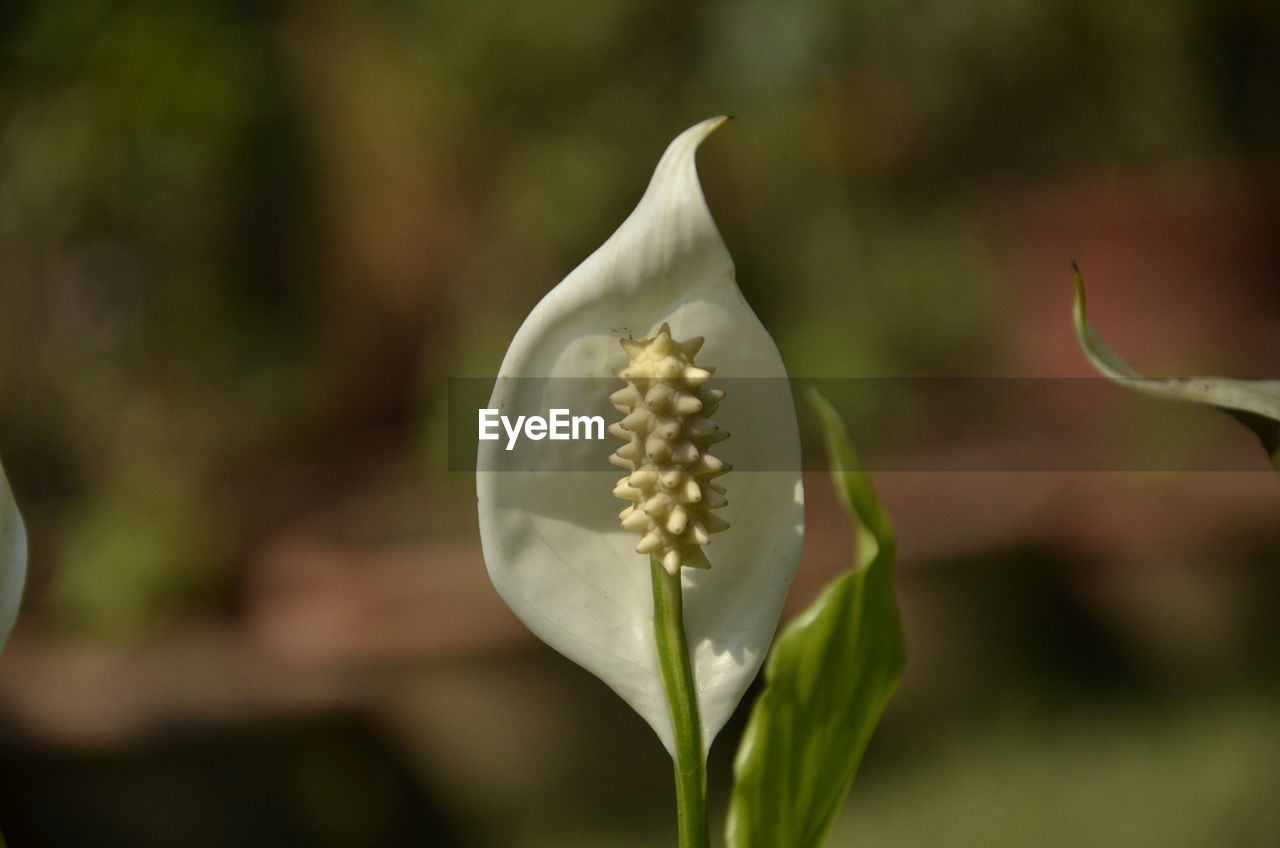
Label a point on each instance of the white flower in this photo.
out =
(13, 558)
(552, 539)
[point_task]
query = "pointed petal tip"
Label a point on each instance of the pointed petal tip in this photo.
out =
(1081, 306)
(710, 125)
(688, 141)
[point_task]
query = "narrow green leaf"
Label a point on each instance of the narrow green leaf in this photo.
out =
(828, 680)
(1254, 403)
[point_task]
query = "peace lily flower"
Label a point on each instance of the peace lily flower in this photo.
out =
(13, 558)
(627, 324)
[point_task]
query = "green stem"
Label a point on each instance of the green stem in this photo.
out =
(682, 697)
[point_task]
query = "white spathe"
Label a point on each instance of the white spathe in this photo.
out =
(552, 540)
(13, 558)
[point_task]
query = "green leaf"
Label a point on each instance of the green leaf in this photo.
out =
(1254, 403)
(828, 680)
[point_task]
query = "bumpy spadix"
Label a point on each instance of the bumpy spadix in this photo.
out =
(668, 406)
(553, 542)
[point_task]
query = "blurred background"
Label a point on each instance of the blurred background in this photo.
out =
(243, 245)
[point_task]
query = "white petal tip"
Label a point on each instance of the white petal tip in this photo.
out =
(683, 147)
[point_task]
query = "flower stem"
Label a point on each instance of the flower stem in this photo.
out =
(682, 697)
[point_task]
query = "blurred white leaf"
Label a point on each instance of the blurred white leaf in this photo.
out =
(13, 558)
(1255, 403)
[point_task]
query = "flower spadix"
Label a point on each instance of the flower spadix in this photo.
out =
(667, 454)
(13, 558)
(654, 303)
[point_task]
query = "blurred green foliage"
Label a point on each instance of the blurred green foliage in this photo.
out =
(1134, 776)
(241, 237)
